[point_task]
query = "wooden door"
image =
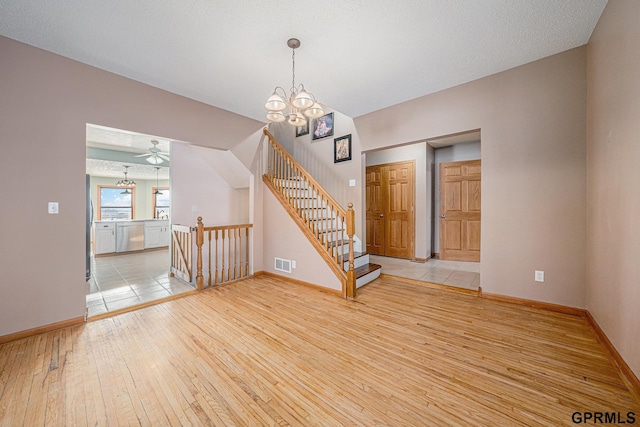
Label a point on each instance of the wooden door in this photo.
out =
(460, 196)
(375, 211)
(390, 207)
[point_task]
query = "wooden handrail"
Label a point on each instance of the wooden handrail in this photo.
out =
(307, 175)
(220, 257)
(317, 213)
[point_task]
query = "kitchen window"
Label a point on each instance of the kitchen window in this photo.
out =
(115, 202)
(161, 202)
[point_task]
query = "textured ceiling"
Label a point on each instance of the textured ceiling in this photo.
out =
(132, 144)
(356, 56)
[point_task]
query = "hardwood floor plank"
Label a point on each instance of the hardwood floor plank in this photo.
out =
(267, 352)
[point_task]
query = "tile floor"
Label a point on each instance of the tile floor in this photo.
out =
(121, 281)
(452, 273)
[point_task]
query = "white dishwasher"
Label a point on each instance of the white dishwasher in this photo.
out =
(129, 236)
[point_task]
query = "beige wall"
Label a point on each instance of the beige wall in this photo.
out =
(613, 230)
(283, 239)
(533, 124)
(46, 102)
(196, 184)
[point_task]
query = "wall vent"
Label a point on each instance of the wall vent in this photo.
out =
(283, 265)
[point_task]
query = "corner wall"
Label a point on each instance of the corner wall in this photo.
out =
(613, 227)
(46, 102)
(533, 124)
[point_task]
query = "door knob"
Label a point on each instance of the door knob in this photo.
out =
(381, 216)
(443, 216)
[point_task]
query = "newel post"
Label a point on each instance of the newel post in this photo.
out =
(351, 273)
(199, 243)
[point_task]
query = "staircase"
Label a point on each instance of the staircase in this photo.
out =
(329, 227)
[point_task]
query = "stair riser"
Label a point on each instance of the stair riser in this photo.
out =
(361, 281)
(357, 262)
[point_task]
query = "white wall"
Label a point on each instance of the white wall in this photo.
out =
(452, 153)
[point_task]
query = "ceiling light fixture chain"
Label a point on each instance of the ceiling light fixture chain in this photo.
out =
(293, 71)
(300, 103)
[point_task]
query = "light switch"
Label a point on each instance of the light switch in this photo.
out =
(539, 276)
(52, 208)
(352, 183)
(194, 208)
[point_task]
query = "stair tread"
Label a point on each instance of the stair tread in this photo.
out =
(366, 269)
(356, 255)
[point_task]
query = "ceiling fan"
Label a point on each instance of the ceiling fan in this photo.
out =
(155, 156)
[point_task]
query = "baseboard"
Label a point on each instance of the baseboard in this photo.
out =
(298, 282)
(431, 285)
(627, 374)
(581, 312)
(435, 255)
(139, 306)
(422, 260)
(41, 329)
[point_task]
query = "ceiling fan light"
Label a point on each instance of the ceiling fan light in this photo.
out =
(314, 111)
(276, 116)
(303, 100)
(154, 160)
(275, 103)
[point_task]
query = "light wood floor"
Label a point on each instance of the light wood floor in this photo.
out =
(265, 352)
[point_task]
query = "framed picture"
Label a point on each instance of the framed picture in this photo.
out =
(302, 130)
(322, 126)
(342, 149)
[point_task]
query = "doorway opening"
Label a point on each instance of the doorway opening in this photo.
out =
(426, 263)
(128, 220)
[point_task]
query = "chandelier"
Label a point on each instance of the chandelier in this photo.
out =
(299, 102)
(126, 182)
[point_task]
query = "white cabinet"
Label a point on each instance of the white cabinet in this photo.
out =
(105, 238)
(156, 234)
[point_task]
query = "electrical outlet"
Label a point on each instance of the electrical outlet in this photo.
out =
(293, 264)
(52, 207)
(352, 183)
(539, 276)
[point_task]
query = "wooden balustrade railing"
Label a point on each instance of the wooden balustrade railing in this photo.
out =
(329, 226)
(226, 251)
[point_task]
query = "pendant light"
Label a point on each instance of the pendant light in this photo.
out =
(300, 102)
(126, 182)
(157, 192)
